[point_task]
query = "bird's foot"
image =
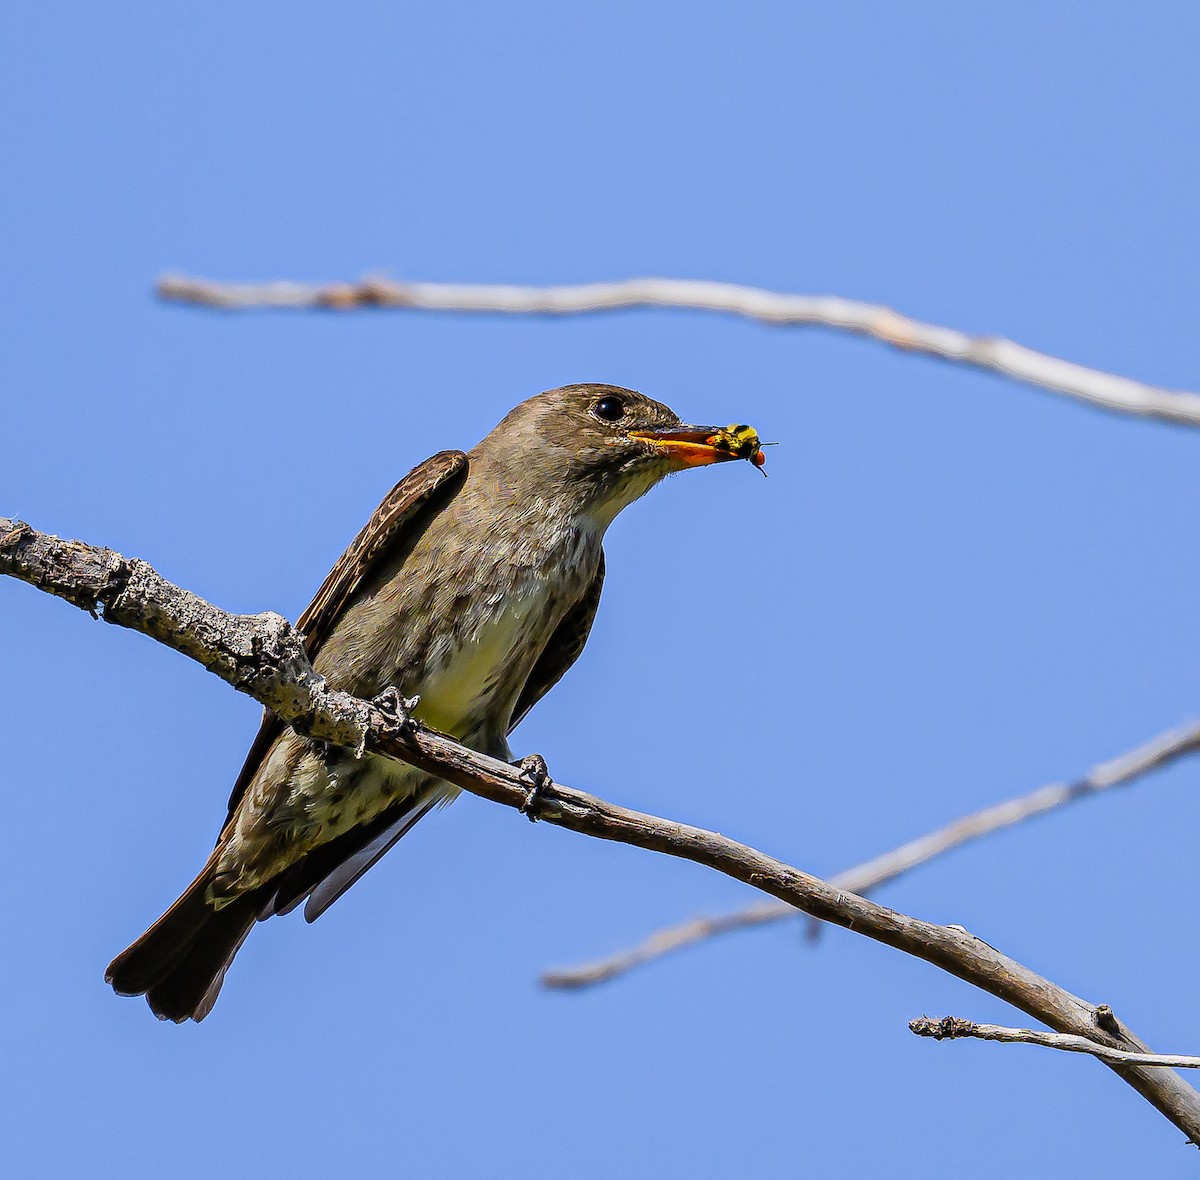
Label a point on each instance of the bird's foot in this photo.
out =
(396, 709)
(533, 770)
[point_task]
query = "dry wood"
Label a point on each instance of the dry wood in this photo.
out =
(948, 1028)
(1097, 388)
(1153, 755)
(263, 656)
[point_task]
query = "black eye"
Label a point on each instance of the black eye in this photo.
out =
(611, 409)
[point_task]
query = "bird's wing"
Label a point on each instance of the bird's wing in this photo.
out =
(388, 524)
(563, 648)
(330, 869)
(397, 520)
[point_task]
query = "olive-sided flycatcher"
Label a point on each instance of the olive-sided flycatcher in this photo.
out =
(474, 586)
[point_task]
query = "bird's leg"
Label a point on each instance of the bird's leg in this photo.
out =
(396, 709)
(533, 770)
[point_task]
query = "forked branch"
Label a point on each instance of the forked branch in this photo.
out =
(262, 655)
(865, 878)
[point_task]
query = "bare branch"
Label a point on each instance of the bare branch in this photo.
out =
(1097, 388)
(666, 941)
(950, 1027)
(262, 655)
(1160, 751)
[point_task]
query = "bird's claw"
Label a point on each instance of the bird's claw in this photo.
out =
(396, 709)
(533, 770)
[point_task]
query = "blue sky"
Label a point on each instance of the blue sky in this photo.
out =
(956, 588)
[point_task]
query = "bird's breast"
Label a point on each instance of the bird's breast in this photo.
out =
(477, 671)
(486, 657)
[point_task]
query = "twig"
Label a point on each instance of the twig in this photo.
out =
(865, 878)
(950, 1027)
(262, 655)
(1097, 388)
(664, 942)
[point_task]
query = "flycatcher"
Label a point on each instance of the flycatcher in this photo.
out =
(474, 585)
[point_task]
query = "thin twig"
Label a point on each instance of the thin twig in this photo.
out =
(1097, 388)
(950, 1027)
(1160, 751)
(261, 655)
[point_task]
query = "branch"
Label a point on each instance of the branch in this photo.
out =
(263, 655)
(865, 878)
(1006, 357)
(950, 1027)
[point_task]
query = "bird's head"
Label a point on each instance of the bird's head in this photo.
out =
(605, 446)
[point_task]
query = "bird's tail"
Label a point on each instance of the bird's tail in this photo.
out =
(179, 964)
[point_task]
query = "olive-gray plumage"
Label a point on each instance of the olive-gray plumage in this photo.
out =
(474, 585)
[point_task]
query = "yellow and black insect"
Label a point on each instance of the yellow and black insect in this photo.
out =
(741, 441)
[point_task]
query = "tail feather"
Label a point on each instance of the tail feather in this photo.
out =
(189, 989)
(179, 963)
(143, 964)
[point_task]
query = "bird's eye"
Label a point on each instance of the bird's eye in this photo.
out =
(610, 409)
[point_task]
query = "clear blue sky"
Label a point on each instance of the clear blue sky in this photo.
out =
(956, 588)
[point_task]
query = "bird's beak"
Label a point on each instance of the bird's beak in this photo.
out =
(698, 446)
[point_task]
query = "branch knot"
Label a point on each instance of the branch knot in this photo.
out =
(945, 1029)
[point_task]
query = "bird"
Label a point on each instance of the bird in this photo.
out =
(473, 586)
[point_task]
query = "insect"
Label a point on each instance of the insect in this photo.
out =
(741, 441)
